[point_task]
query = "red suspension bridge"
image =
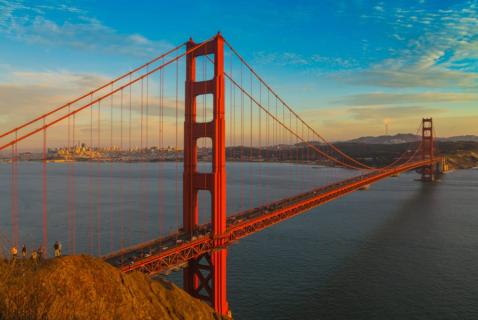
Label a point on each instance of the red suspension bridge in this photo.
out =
(167, 129)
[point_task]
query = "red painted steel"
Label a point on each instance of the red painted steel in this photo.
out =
(428, 152)
(44, 191)
(205, 275)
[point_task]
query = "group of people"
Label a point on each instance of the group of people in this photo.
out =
(36, 255)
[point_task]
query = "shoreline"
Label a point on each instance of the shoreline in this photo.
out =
(454, 166)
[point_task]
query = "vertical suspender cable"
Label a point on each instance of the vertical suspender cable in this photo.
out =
(267, 150)
(14, 207)
(68, 183)
(146, 192)
(121, 185)
(275, 127)
(161, 148)
(242, 142)
(111, 174)
(204, 101)
(230, 106)
(44, 189)
(130, 175)
(176, 148)
(250, 151)
(98, 194)
(142, 219)
(13, 196)
(90, 218)
(296, 159)
(73, 213)
(259, 145)
(160, 144)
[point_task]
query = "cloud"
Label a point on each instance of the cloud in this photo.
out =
(445, 124)
(312, 62)
(139, 39)
(379, 8)
(57, 79)
(388, 75)
(35, 93)
(379, 113)
(281, 59)
(444, 54)
(343, 123)
(78, 30)
(28, 94)
(405, 98)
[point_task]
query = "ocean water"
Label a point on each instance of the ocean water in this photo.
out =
(401, 250)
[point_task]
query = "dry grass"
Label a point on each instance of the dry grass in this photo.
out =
(82, 287)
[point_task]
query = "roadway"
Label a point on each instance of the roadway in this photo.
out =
(172, 252)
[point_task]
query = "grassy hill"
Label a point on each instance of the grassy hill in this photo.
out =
(83, 287)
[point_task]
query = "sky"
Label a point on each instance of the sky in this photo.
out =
(348, 67)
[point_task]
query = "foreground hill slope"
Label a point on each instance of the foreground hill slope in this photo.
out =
(83, 287)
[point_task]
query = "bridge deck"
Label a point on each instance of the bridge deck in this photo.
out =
(174, 251)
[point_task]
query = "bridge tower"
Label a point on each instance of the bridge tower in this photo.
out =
(428, 150)
(205, 277)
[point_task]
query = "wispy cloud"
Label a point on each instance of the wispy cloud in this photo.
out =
(345, 122)
(444, 54)
(378, 113)
(405, 98)
(35, 93)
(281, 59)
(33, 24)
(294, 59)
(392, 75)
(38, 92)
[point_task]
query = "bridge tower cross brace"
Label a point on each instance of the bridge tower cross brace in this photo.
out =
(205, 277)
(428, 150)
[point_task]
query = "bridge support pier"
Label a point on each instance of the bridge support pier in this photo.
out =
(205, 277)
(428, 150)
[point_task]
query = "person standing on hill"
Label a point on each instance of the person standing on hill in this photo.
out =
(14, 253)
(56, 247)
(24, 251)
(34, 257)
(40, 252)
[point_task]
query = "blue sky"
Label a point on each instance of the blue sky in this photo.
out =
(348, 66)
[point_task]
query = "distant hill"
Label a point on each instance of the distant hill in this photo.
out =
(395, 139)
(407, 138)
(461, 138)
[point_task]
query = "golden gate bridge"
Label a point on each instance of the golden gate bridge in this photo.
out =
(186, 107)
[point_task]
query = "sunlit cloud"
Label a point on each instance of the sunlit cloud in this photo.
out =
(408, 77)
(344, 123)
(380, 113)
(35, 93)
(405, 98)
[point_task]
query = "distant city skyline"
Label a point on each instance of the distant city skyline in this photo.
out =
(349, 67)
